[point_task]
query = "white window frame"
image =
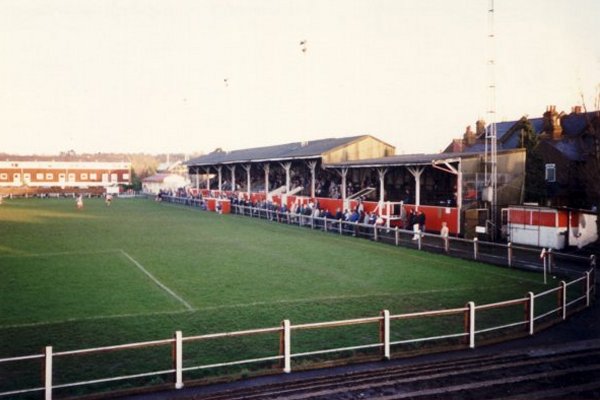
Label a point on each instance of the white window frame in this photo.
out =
(550, 173)
(3, 176)
(49, 176)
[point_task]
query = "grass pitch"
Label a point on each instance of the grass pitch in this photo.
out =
(139, 270)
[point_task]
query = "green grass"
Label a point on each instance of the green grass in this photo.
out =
(75, 279)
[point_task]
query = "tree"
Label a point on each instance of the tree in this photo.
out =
(535, 185)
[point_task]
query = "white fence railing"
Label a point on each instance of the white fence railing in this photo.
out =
(565, 303)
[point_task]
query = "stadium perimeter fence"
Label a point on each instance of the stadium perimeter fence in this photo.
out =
(464, 327)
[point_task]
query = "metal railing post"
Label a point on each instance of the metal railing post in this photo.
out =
(550, 259)
(563, 305)
(384, 333)
(471, 323)
(475, 249)
(531, 312)
(396, 236)
(178, 360)
(286, 346)
(419, 239)
(545, 261)
(510, 253)
(48, 373)
(375, 232)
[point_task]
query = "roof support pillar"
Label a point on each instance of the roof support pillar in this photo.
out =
(197, 180)
(248, 167)
(219, 168)
(207, 172)
(312, 165)
(287, 166)
(267, 168)
(382, 172)
(416, 173)
(232, 169)
(343, 172)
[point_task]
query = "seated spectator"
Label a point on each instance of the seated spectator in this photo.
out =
(372, 219)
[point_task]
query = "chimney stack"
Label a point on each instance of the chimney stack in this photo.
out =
(458, 145)
(469, 137)
(576, 110)
(480, 128)
(552, 122)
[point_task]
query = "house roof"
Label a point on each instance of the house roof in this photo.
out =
(288, 151)
(575, 124)
(570, 149)
(508, 137)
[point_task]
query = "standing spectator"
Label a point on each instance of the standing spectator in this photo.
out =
(444, 232)
(421, 221)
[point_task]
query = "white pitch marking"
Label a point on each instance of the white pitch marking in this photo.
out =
(94, 318)
(159, 283)
(59, 253)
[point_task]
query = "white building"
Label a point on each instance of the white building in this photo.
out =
(163, 181)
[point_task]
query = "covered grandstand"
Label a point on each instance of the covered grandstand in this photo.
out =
(341, 173)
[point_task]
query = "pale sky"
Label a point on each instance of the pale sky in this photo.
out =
(149, 75)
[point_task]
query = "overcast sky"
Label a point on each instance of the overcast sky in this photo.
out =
(149, 75)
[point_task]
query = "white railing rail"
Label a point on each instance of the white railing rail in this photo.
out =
(469, 314)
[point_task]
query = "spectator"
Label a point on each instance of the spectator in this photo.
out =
(421, 220)
(444, 232)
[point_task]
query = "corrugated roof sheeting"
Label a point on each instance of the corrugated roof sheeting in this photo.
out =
(286, 151)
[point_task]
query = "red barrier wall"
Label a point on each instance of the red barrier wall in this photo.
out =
(539, 217)
(225, 206)
(434, 215)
